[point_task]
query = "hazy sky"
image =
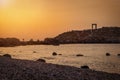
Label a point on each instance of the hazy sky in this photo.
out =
(38, 19)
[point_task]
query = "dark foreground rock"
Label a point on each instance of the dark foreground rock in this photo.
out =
(41, 60)
(85, 67)
(107, 54)
(118, 54)
(79, 55)
(14, 69)
(7, 55)
(54, 53)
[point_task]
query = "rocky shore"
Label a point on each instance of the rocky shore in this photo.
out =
(15, 69)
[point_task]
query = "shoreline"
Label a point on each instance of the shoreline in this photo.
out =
(59, 44)
(16, 69)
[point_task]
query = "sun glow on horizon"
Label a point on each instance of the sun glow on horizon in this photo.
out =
(6, 3)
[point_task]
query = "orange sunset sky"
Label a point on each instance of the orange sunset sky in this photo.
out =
(39, 19)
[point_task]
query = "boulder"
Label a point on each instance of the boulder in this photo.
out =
(107, 54)
(118, 54)
(85, 67)
(54, 53)
(79, 55)
(59, 54)
(41, 60)
(34, 52)
(7, 55)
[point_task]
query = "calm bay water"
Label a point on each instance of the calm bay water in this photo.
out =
(94, 55)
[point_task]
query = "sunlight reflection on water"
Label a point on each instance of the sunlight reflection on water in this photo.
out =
(94, 55)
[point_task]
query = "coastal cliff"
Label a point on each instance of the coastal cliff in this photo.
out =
(101, 35)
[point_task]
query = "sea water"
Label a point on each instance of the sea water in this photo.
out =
(94, 55)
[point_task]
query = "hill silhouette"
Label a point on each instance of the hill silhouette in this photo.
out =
(101, 35)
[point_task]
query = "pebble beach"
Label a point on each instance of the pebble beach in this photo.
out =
(16, 69)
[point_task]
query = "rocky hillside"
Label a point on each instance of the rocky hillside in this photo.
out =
(101, 35)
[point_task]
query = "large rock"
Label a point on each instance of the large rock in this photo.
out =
(118, 54)
(79, 55)
(54, 53)
(7, 55)
(59, 54)
(41, 60)
(85, 67)
(107, 54)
